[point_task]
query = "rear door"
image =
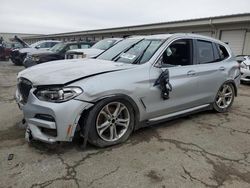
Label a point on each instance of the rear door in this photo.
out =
(210, 70)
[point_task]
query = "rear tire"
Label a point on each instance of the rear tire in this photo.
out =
(224, 98)
(111, 122)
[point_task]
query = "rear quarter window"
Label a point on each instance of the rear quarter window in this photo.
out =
(223, 53)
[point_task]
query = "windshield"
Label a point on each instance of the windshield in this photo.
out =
(58, 47)
(132, 51)
(104, 44)
(36, 44)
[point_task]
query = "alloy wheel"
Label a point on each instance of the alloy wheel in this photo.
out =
(112, 121)
(225, 96)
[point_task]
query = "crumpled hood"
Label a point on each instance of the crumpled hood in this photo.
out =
(64, 71)
(90, 52)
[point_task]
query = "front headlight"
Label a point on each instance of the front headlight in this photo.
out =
(28, 57)
(58, 94)
(35, 58)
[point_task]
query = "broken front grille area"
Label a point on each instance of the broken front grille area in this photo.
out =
(24, 87)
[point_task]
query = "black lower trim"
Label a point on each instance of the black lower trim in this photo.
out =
(147, 123)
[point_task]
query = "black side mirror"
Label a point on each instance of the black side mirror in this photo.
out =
(163, 82)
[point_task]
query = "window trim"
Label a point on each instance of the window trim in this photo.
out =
(216, 52)
(193, 53)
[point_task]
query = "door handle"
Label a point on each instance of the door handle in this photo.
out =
(222, 68)
(191, 73)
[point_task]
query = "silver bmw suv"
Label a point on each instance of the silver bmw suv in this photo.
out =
(140, 81)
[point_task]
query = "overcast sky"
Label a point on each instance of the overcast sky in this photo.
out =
(57, 16)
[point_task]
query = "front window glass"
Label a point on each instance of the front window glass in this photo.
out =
(43, 45)
(58, 47)
(132, 50)
(104, 44)
(179, 53)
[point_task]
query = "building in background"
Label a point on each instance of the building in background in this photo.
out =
(10, 36)
(232, 29)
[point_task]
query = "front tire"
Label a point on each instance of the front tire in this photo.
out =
(111, 122)
(224, 98)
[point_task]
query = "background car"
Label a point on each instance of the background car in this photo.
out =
(55, 53)
(17, 56)
(7, 47)
(4, 52)
(245, 68)
(95, 50)
(137, 82)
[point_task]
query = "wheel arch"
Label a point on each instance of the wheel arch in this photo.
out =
(84, 127)
(233, 84)
(229, 82)
(129, 100)
(84, 113)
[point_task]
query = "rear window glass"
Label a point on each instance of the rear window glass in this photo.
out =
(72, 47)
(84, 46)
(205, 52)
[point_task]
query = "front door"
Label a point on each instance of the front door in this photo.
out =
(178, 59)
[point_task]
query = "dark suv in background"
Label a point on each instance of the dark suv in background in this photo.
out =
(55, 53)
(6, 47)
(17, 56)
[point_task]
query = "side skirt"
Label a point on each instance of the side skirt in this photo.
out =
(174, 115)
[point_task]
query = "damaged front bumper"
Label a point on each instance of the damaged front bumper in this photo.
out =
(245, 75)
(51, 122)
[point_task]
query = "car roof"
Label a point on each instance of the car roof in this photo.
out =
(115, 38)
(159, 36)
(173, 35)
(41, 41)
(79, 42)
